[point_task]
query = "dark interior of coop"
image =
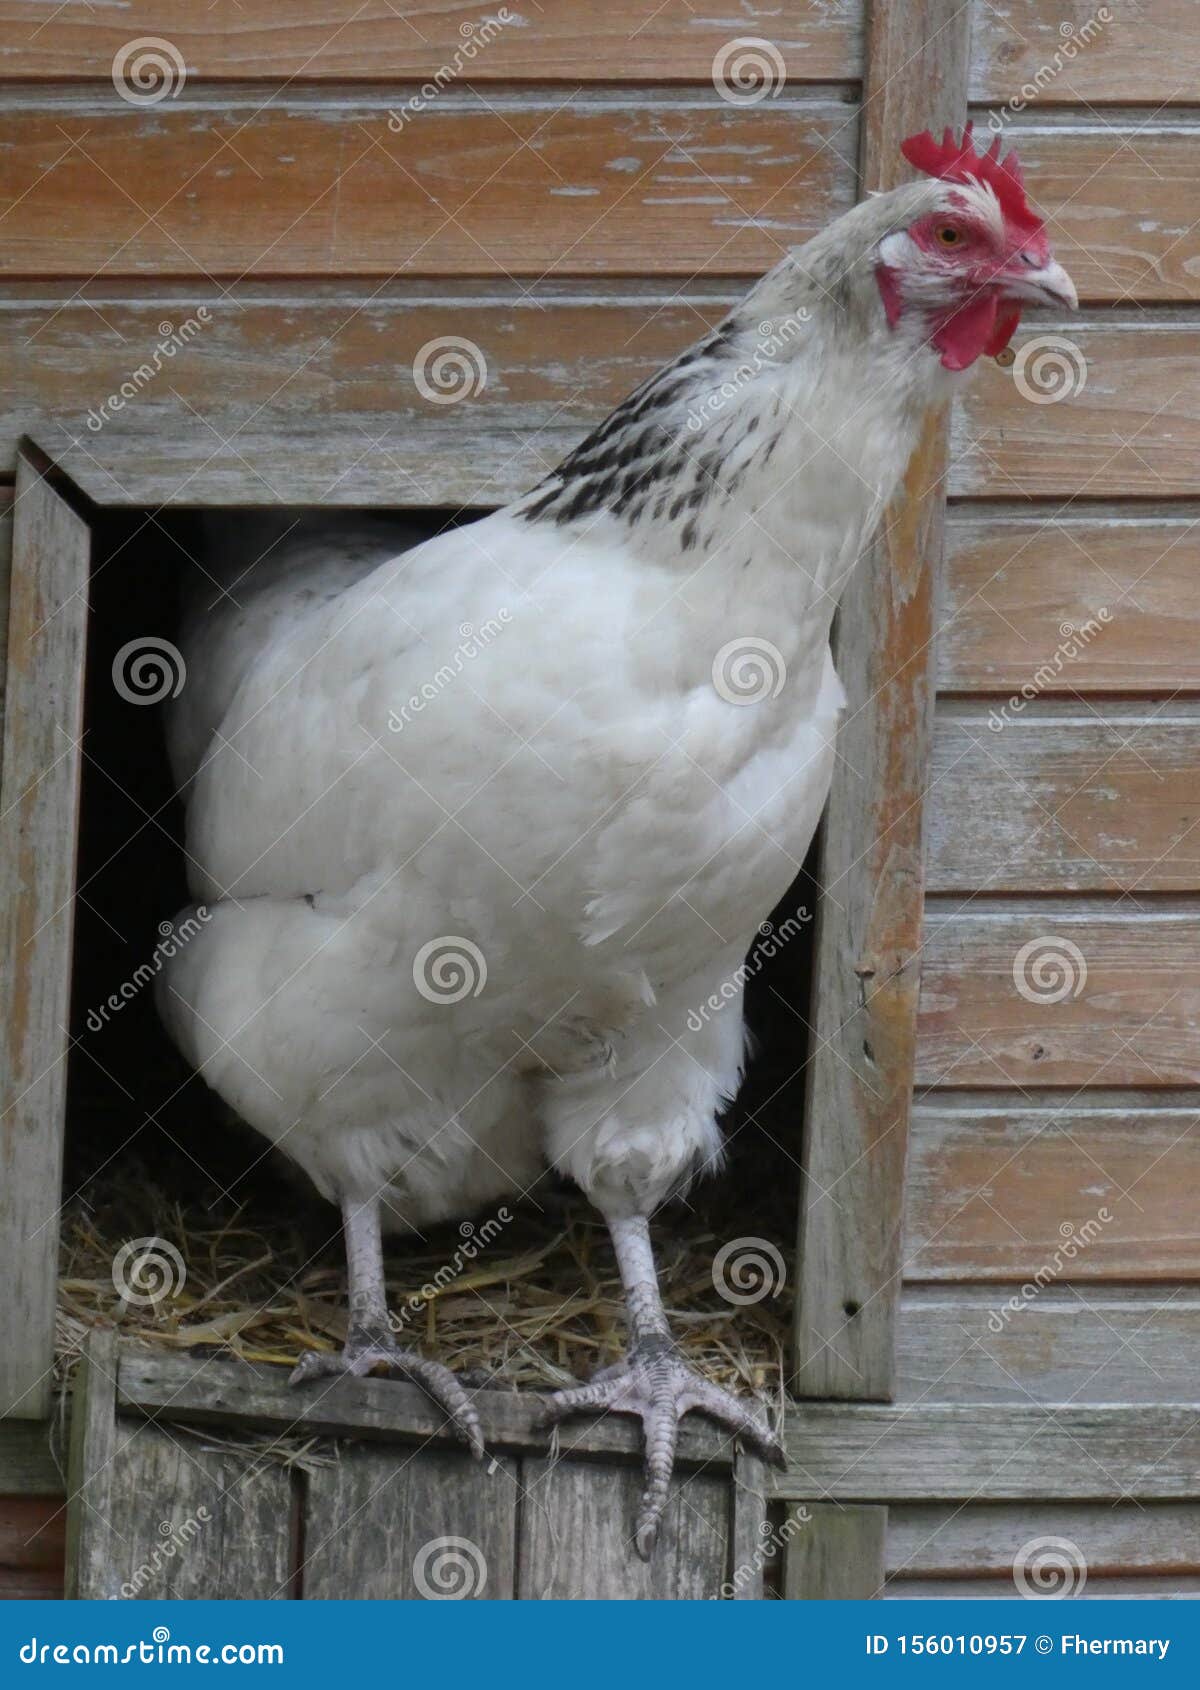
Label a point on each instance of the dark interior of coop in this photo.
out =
(153, 1153)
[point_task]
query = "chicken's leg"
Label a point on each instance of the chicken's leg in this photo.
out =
(654, 1382)
(369, 1339)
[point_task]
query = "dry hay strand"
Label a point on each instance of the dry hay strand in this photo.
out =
(531, 1301)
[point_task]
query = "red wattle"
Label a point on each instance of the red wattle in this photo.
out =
(966, 334)
(1008, 319)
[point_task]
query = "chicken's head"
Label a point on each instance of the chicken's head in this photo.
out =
(971, 259)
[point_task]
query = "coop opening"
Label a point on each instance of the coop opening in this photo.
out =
(190, 1230)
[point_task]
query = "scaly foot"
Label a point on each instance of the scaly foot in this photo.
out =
(365, 1350)
(654, 1383)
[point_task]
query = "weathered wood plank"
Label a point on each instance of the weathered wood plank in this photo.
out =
(32, 1547)
(935, 1540)
(1182, 1588)
(837, 1556)
(573, 40)
(214, 1392)
(38, 824)
(1058, 994)
(1132, 430)
(1094, 798)
(91, 1566)
(27, 1465)
(397, 1525)
(1071, 1192)
(868, 937)
(1146, 54)
(853, 1452)
(310, 392)
(577, 1521)
(306, 392)
(211, 184)
(189, 1522)
(1086, 1343)
(1024, 596)
(749, 1529)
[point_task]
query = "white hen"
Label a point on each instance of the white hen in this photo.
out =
(479, 825)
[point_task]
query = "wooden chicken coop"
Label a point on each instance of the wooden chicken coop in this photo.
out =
(230, 237)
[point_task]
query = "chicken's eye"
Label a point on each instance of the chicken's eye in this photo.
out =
(948, 235)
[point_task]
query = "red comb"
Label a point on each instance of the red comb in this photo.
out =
(957, 161)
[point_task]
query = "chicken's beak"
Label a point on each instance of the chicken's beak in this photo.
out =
(1047, 285)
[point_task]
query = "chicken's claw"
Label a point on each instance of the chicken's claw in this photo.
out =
(363, 1352)
(656, 1384)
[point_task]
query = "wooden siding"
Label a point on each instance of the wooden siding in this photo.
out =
(1113, 589)
(221, 184)
(570, 41)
